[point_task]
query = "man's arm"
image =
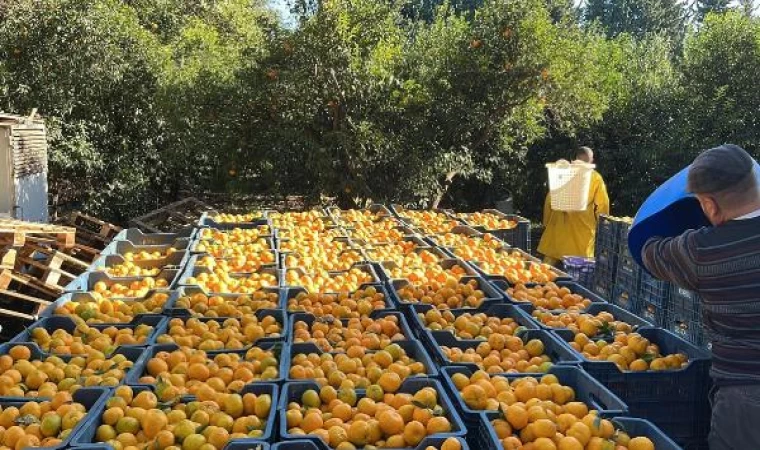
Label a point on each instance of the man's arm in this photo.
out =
(602, 199)
(672, 259)
(547, 209)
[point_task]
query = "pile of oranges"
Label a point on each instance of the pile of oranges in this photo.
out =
(130, 269)
(347, 422)
(549, 296)
(429, 222)
(321, 260)
(332, 335)
(629, 352)
(403, 259)
(324, 281)
(462, 242)
(137, 288)
(344, 305)
(187, 371)
(146, 255)
(449, 294)
(113, 310)
(201, 305)
(357, 368)
(221, 282)
(40, 424)
(86, 338)
(231, 334)
(47, 377)
(514, 265)
(236, 218)
(542, 414)
(468, 325)
(503, 354)
(384, 231)
(137, 420)
(487, 220)
(428, 274)
(247, 263)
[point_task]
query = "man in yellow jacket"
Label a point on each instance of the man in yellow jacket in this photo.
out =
(572, 233)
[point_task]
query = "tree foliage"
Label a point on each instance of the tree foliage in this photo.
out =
(424, 102)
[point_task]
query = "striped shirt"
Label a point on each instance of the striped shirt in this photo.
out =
(722, 265)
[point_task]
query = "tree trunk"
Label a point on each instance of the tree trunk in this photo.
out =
(438, 198)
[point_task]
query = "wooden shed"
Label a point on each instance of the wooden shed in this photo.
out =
(23, 168)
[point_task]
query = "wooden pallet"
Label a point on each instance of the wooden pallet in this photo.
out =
(91, 232)
(50, 266)
(172, 217)
(16, 232)
(81, 252)
(22, 297)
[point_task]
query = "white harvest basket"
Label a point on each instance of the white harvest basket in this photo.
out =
(569, 184)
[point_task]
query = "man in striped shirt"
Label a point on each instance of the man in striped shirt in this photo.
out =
(722, 264)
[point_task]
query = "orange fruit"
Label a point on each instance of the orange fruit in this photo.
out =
(358, 433)
(451, 444)
(640, 443)
(391, 422)
(414, 432)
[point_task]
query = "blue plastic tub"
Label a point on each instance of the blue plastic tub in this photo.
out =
(492, 295)
(92, 398)
(87, 297)
(135, 354)
(292, 292)
(553, 347)
(587, 390)
(51, 324)
(279, 315)
(139, 370)
(675, 400)
(138, 238)
(292, 392)
(86, 434)
(309, 319)
(171, 308)
(413, 350)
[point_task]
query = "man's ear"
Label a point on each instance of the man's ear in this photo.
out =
(711, 209)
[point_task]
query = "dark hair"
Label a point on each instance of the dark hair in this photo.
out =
(726, 172)
(584, 151)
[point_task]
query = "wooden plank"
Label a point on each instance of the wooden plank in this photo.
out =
(8, 312)
(24, 297)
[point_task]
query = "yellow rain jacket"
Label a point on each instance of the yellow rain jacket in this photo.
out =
(572, 233)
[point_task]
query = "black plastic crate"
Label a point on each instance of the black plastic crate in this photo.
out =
(608, 233)
(626, 289)
(684, 316)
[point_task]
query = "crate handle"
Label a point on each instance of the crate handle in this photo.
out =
(596, 402)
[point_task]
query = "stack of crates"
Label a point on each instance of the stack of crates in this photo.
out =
(626, 290)
(609, 233)
(684, 316)
(654, 299)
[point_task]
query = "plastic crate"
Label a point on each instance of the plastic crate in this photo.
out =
(314, 443)
(170, 308)
(553, 347)
(135, 354)
(86, 434)
(492, 295)
(364, 267)
(206, 220)
(175, 261)
(626, 290)
(292, 392)
(675, 400)
(587, 390)
(278, 314)
(192, 271)
(412, 348)
(634, 428)
(291, 292)
(500, 310)
(92, 398)
(684, 316)
(617, 312)
(309, 319)
(87, 297)
(139, 369)
(86, 281)
(68, 324)
(574, 288)
(518, 237)
(654, 296)
(580, 269)
(138, 238)
(529, 259)
(126, 246)
(445, 262)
